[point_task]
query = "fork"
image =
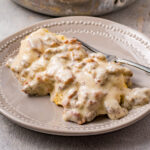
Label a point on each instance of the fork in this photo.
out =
(116, 59)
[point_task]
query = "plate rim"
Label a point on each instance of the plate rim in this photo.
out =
(62, 132)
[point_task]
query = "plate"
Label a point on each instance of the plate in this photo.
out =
(38, 113)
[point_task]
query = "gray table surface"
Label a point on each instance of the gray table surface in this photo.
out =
(13, 137)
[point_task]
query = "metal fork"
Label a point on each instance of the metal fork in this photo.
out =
(115, 59)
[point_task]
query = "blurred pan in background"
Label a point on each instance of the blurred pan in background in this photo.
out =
(74, 7)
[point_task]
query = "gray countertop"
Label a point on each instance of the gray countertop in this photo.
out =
(13, 137)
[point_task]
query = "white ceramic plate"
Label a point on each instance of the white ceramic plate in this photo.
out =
(38, 113)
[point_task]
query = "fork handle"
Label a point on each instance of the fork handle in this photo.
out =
(128, 62)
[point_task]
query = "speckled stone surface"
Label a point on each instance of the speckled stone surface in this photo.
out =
(13, 137)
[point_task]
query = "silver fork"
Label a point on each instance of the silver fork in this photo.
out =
(115, 59)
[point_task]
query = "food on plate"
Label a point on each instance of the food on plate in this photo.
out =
(85, 84)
